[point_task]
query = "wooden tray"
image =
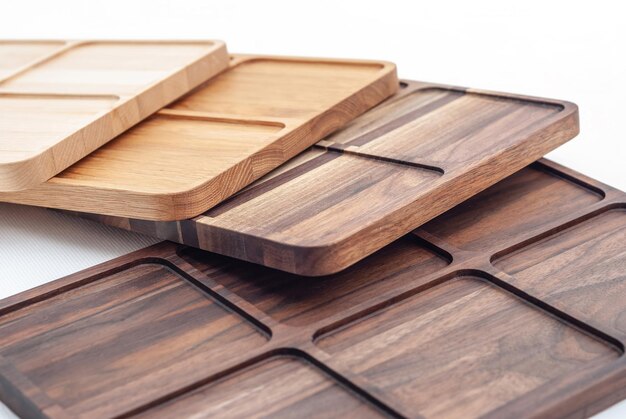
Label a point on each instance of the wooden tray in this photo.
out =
(61, 100)
(391, 170)
(210, 144)
(512, 304)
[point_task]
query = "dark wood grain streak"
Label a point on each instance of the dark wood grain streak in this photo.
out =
(464, 338)
(389, 171)
(587, 267)
(83, 347)
(484, 221)
(271, 388)
(509, 305)
(310, 161)
(295, 301)
(401, 120)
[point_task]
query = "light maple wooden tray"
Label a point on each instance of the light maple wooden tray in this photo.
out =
(61, 100)
(418, 154)
(210, 144)
(510, 305)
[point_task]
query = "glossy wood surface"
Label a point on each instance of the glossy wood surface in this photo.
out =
(509, 305)
(394, 168)
(223, 136)
(61, 100)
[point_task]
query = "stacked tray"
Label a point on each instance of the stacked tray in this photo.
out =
(235, 128)
(511, 304)
(420, 153)
(411, 260)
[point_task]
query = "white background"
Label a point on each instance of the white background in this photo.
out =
(570, 50)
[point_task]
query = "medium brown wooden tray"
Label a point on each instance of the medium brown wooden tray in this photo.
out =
(391, 170)
(61, 100)
(210, 144)
(510, 305)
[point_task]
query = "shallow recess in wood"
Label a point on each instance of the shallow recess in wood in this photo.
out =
(274, 386)
(300, 301)
(416, 155)
(56, 123)
(130, 329)
(257, 115)
(586, 264)
(425, 326)
(467, 329)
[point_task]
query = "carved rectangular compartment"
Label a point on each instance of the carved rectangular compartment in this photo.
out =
(221, 137)
(272, 387)
(511, 304)
(416, 155)
(61, 100)
(465, 338)
(586, 267)
(141, 330)
(292, 300)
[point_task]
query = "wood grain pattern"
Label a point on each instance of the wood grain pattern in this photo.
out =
(272, 388)
(587, 265)
(212, 143)
(510, 305)
(18, 54)
(411, 158)
(301, 303)
(122, 338)
(61, 100)
(486, 220)
(466, 338)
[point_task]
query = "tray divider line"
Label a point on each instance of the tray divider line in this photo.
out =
(8, 306)
(337, 322)
(223, 301)
(356, 384)
(563, 223)
(576, 178)
(409, 116)
(436, 167)
(452, 253)
(225, 293)
(607, 191)
(504, 281)
(546, 405)
(225, 118)
(41, 60)
(259, 354)
(236, 301)
(54, 95)
(253, 192)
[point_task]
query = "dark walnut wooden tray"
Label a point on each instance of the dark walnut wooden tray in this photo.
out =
(512, 304)
(415, 156)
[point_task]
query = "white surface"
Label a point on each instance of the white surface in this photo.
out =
(570, 50)
(39, 245)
